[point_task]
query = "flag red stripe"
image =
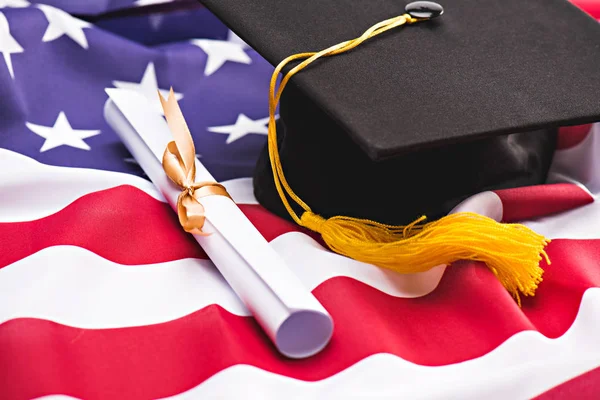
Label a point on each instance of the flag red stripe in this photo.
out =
(122, 224)
(467, 316)
(127, 226)
(570, 136)
(541, 200)
(592, 7)
(585, 386)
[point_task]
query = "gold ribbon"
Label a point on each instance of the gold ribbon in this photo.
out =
(179, 163)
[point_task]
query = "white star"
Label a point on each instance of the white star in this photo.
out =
(62, 134)
(8, 44)
(242, 127)
(14, 3)
(61, 23)
(220, 51)
(148, 87)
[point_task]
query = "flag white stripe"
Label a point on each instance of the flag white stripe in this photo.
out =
(57, 187)
(56, 397)
(241, 190)
(111, 295)
(108, 295)
(581, 162)
(53, 187)
(579, 223)
(314, 264)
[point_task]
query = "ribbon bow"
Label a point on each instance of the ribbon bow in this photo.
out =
(179, 163)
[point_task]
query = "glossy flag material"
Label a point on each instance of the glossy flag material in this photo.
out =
(102, 295)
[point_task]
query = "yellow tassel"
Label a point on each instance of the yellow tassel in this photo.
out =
(511, 251)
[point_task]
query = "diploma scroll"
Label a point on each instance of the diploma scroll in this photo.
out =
(290, 315)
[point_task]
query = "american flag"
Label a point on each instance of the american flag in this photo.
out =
(103, 296)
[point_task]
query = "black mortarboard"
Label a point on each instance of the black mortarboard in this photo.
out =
(419, 115)
(415, 120)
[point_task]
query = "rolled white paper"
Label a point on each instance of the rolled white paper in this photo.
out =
(291, 316)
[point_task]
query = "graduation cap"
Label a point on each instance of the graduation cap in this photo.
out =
(429, 106)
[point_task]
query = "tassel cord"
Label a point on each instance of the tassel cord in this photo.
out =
(275, 96)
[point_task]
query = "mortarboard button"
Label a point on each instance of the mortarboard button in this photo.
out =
(424, 9)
